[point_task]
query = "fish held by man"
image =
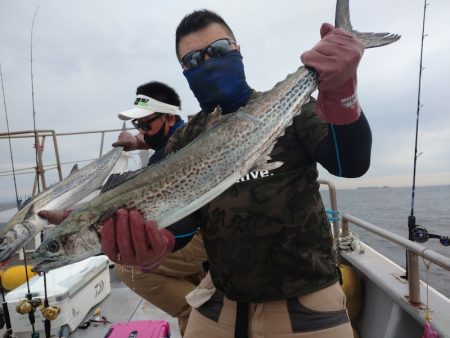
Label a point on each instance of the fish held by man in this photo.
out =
(26, 224)
(184, 181)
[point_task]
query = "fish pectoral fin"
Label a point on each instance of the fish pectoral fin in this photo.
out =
(268, 166)
(264, 164)
(107, 214)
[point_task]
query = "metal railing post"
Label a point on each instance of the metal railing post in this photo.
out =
(345, 231)
(40, 163)
(333, 204)
(58, 160)
(101, 144)
(413, 278)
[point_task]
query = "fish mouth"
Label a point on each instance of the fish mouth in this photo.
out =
(5, 254)
(12, 241)
(49, 263)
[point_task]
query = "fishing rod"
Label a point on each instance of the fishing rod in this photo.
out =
(36, 139)
(412, 218)
(416, 232)
(30, 309)
(47, 325)
(4, 303)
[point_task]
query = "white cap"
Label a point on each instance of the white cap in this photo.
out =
(145, 106)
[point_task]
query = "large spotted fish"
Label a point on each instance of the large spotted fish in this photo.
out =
(26, 224)
(183, 182)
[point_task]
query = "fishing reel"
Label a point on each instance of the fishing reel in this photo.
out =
(50, 312)
(27, 306)
(421, 235)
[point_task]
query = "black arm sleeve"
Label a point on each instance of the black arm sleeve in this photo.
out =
(183, 231)
(346, 150)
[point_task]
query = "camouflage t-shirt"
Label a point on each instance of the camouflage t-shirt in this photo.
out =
(267, 237)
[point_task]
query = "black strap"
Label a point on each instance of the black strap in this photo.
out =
(241, 328)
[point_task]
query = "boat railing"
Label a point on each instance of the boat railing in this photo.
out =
(40, 169)
(40, 137)
(414, 250)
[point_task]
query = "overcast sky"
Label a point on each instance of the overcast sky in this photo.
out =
(89, 56)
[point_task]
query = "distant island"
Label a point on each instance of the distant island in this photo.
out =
(384, 186)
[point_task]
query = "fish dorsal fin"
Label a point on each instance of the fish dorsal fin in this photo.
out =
(116, 179)
(73, 170)
(214, 118)
(25, 203)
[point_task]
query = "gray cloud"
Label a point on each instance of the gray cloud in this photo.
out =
(89, 56)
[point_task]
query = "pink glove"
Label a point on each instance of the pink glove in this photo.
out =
(130, 142)
(336, 58)
(127, 239)
(54, 216)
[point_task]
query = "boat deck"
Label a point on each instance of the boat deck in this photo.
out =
(121, 305)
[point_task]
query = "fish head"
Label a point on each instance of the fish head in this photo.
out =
(65, 248)
(20, 230)
(12, 239)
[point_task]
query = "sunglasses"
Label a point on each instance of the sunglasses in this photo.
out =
(145, 125)
(215, 49)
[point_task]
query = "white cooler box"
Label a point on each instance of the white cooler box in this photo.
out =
(75, 288)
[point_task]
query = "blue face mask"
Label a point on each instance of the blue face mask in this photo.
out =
(220, 82)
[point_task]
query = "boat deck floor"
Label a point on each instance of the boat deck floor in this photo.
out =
(121, 305)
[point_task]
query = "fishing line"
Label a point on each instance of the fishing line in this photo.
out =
(4, 304)
(9, 140)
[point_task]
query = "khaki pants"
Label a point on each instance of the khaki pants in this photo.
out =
(321, 314)
(167, 285)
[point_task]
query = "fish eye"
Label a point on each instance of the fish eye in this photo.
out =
(53, 246)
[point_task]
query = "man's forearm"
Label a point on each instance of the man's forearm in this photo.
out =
(346, 150)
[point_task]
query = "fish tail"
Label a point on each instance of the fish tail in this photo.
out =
(370, 39)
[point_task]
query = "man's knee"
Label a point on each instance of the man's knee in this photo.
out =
(134, 278)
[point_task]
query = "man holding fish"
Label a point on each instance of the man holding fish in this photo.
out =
(267, 237)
